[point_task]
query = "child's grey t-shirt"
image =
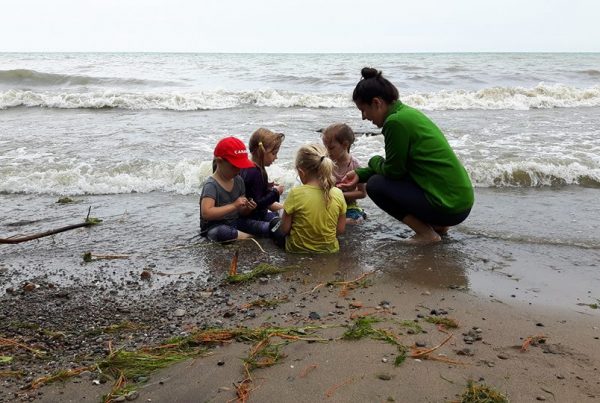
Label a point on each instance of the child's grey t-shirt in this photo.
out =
(211, 188)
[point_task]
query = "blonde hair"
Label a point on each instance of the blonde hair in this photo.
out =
(261, 141)
(313, 160)
(341, 133)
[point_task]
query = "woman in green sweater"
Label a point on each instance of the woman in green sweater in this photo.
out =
(420, 181)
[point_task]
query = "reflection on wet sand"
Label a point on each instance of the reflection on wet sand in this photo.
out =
(431, 267)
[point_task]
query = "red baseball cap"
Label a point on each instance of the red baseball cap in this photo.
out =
(234, 151)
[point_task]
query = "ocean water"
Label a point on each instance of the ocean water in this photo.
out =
(132, 135)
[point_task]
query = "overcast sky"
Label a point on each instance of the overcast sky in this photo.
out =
(300, 26)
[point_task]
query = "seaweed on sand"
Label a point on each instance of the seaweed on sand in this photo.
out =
(262, 269)
(448, 323)
(362, 327)
(481, 393)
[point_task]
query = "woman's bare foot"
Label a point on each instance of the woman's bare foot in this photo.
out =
(425, 239)
(441, 230)
(424, 233)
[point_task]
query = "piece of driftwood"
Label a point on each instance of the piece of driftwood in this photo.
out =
(89, 221)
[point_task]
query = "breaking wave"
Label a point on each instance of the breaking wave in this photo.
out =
(24, 78)
(187, 176)
(513, 98)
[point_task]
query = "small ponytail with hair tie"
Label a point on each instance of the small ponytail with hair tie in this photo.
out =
(322, 158)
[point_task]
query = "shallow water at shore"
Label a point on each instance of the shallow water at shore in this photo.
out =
(533, 245)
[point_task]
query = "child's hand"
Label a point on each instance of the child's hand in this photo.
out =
(251, 205)
(349, 181)
(240, 202)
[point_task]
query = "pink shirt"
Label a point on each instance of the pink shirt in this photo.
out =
(340, 171)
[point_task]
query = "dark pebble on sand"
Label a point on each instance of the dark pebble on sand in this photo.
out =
(314, 316)
(539, 324)
(221, 363)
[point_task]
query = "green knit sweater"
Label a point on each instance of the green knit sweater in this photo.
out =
(416, 147)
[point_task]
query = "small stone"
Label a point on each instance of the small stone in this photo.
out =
(420, 344)
(502, 357)
(384, 377)
(560, 376)
(205, 294)
(119, 399)
(465, 351)
(220, 363)
(263, 280)
(314, 316)
(384, 360)
(491, 364)
(539, 324)
(228, 314)
(356, 304)
(425, 293)
(132, 395)
(224, 389)
(541, 398)
(85, 374)
(179, 312)
(410, 331)
(145, 275)
(29, 287)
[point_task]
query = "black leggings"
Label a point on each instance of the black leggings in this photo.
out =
(400, 198)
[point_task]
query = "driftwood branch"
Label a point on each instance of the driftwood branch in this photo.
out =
(89, 221)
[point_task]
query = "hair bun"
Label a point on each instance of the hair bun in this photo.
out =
(369, 72)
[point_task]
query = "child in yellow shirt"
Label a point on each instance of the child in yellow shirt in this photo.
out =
(315, 212)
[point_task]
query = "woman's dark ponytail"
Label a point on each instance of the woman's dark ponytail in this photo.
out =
(369, 72)
(373, 85)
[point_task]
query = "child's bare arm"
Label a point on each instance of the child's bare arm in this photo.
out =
(359, 193)
(276, 206)
(341, 224)
(286, 223)
(210, 212)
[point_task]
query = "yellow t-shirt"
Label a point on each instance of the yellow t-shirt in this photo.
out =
(314, 224)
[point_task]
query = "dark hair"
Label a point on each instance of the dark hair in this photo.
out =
(341, 132)
(373, 85)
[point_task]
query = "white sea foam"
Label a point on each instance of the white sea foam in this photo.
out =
(516, 98)
(187, 176)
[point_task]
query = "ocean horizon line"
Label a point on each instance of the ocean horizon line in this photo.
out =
(537, 52)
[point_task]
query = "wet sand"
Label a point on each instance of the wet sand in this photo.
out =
(505, 271)
(564, 368)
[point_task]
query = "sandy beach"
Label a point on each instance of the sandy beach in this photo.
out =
(526, 312)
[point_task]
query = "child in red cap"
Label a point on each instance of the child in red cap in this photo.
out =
(223, 204)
